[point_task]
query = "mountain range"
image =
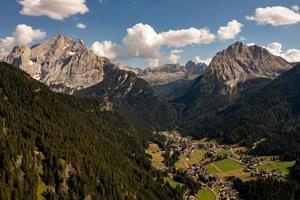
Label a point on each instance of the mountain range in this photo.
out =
(56, 146)
(172, 72)
(68, 66)
(232, 72)
(69, 117)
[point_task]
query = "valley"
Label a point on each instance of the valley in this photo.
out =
(149, 100)
(204, 168)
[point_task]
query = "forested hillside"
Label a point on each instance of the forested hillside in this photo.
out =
(65, 147)
(272, 113)
(135, 97)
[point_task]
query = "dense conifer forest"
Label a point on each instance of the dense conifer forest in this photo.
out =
(271, 113)
(65, 147)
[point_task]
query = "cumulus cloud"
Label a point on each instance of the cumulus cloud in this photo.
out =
(55, 9)
(291, 55)
(295, 8)
(276, 16)
(23, 35)
(175, 56)
(142, 41)
(230, 31)
(250, 44)
(80, 25)
(106, 49)
(153, 62)
(205, 61)
(180, 38)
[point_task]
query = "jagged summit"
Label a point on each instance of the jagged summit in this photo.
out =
(171, 72)
(68, 66)
(60, 62)
(239, 63)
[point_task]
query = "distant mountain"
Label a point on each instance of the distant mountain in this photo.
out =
(135, 70)
(174, 89)
(171, 72)
(236, 70)
(68, 66)
(272, 112)
(56, 146)
(136, 97)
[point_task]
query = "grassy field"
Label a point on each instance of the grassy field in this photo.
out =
(157, 158)
(281, 166)
(173, 183)
(225, 165)
(182, 163)
(205, 194)
(197, 156)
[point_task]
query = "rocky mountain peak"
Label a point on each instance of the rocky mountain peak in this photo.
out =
(60, 62)
(190, 64)
(239, 63)
(171, 72)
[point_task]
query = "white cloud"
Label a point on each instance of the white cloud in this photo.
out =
(230, 31)
(295, 8)
(276, 16)
(142, 41)
(184, 37)
(275, 48)
(291, 55)
(250, 44)
(175, 56)
(55, 9)
(205, 61)
(152, 62)
(105, 49)
(23, 35)
(80, 25)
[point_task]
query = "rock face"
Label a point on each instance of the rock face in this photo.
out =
(240, 63)
(68, 66)
(233, 72)
(63, 64)
(171, 72)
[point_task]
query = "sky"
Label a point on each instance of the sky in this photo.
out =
(144, 33)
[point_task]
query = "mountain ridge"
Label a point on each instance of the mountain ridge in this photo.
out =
(71, 146)
(232, 72)
(68, 66)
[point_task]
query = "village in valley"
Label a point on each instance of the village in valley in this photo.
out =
(207, 166)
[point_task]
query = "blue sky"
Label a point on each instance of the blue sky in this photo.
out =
(109, 20)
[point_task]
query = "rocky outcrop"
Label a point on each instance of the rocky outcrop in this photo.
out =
(240, 63)
(63, 64)
(233, 72)
(68, 66)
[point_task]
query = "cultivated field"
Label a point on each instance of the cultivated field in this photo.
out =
(205, 194)
(156, 156)
(182, 163)
(197, 157)
(224, 165)
(281, 166)
(173, 183)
